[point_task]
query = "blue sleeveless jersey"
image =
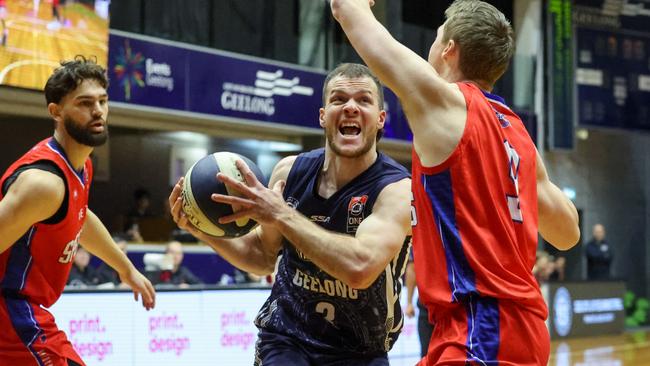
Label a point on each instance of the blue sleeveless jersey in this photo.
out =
(319, 311)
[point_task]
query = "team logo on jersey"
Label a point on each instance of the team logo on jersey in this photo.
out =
(320, 218)
(355, 212)
(502, 118)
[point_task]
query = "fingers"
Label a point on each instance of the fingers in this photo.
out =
(249, 177)
(231, 200)
(236, 216)
(176, 200)
(176, 192)
(148, 296)
(240, 187)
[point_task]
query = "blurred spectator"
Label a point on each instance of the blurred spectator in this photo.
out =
(179, 275)
(558, 269)
(543, 268)
(140, 209)
(82, 274)
(599, 255)
(106, 274)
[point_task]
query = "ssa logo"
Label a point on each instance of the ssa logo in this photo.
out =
(356, 209)
(259, 98)
(134, 70)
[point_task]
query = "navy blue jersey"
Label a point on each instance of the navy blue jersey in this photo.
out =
(309, 305)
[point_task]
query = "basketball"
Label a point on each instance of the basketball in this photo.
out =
(201, 182)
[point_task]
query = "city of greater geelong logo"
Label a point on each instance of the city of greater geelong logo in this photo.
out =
(562, 312)
(258, 98)
(133, 69)
(355, 212)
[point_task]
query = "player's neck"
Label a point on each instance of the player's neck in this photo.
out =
(76, 152)
(338, 170)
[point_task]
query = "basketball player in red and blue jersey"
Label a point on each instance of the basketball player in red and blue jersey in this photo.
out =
(480, 189)
(338, 215)
(44, 216)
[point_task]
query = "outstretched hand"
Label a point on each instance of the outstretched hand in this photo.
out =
(140, 286)
(261, 204)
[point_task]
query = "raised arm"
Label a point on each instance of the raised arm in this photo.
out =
(558, 217)
(255, 252)
(35, 196)
(435, 108)
(97, 240)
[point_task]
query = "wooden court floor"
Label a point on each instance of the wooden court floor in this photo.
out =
(630, 348)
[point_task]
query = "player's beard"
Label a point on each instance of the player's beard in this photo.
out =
(367, 145)
(82, 133)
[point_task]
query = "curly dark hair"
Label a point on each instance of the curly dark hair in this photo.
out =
(66, 78)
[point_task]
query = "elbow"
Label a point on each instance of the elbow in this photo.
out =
(569, 240)
(361, 277)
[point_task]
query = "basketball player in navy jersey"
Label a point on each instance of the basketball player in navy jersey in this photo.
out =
(338, 217)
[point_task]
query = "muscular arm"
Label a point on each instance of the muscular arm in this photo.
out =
(255, 252)
(356, 260)
(35, 196)
(435, 108)
(558, 217)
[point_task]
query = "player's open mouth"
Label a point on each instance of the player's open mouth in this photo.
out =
(349, 129)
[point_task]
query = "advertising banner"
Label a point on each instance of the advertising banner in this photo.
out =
(152, 72)
(192, 327)
(585, 308)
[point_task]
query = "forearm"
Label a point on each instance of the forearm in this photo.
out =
(341, 256)
(379, 49)
(245, 253)
(558, 218)
(97, 240)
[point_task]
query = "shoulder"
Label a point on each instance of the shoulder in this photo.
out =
(395, 195)
(390, 165)
(282, 169)
(39, 183)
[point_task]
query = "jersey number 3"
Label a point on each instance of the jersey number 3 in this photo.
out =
(513, 164)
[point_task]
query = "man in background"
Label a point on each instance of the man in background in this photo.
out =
(599, 255)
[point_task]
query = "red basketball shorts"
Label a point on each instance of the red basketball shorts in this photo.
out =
(485, 331)
(29, 336)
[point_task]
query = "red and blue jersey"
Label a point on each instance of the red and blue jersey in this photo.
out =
(36, 266)
(475, 234)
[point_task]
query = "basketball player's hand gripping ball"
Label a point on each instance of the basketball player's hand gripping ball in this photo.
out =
(200, 183)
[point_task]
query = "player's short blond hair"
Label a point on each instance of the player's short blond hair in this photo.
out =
(484, 36)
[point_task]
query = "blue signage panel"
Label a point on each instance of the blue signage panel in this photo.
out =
(255, 91)
(146, 73)
(155, 73)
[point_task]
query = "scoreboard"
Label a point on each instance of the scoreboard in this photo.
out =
(612, 57)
